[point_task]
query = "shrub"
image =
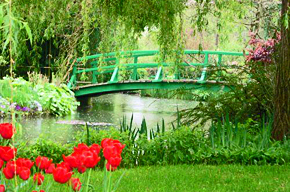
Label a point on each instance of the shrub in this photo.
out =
(225, 143)
(30, 99)
(252, 89)
(45, 148)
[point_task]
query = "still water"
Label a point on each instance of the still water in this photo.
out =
(106, 109)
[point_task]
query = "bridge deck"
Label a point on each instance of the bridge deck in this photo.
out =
(191, 81)
(130, 85)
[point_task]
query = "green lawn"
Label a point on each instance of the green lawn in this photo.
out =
(194, 178)
(206, 178)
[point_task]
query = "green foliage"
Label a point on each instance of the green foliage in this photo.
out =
(58, 100)
(45, 148)
(224, 143)
(40, 97)
(251, 96)
(22, 93)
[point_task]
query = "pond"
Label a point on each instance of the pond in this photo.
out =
(109, 108)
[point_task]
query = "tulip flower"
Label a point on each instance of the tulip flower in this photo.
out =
(24, 173)
(7, 153)
(62, 174)
(50, 169)
(22, 162)
(115, 161)
(42, 162)
(9, 171)
(109, 167)
(39, 178)
(95, 148)
(7, 130)
(73, 161)
(2, 188)
(90, 159)
(64, 165)
(76, 184)
(81, 169)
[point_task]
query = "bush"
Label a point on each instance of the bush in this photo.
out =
(223, 143)
(45, 148)
(252, 89)
(31, 99)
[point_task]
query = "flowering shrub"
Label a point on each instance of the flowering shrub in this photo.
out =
(81, 159)
(263, 50)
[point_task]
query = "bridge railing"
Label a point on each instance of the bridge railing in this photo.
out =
(91, 65)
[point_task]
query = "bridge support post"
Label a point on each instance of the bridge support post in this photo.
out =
(94, 80)
(158, 77)
(134, 75)
(219, 66)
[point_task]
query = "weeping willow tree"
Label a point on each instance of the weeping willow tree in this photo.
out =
(66, 29)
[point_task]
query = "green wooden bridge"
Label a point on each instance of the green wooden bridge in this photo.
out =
(136, 70)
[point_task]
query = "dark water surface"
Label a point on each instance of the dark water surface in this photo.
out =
(107, 109)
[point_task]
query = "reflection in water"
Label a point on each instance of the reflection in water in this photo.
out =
(108, 109)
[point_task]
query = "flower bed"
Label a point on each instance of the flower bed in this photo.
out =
(82, 159)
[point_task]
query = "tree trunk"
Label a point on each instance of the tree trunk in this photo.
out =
(282, 89)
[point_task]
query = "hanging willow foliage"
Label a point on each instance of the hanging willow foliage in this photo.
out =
(63, 30)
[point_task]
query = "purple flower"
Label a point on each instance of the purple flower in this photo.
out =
(25, 109)
(18, 108)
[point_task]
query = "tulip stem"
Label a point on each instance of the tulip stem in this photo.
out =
(110, 175)
(88, 181)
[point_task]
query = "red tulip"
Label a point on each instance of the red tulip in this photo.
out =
(39, 191)
(24, 173)
(110, 142)
(118, 146)
(81, 169)
(39, 178)
(22, 162)
(2, 188)
(90, 159)
(7, 153)
(81, 147)
(1, 163)
(64, 165)
(76, 184)
(73, 161)
(62, 175)
(106, 142)
(50, 169)
(110, 151)
(9, 171)
(95, 148)
(42, 162)
(109, 167)
(7, 130)
(115, 161)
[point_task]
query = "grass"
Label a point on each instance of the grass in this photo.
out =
(188, 178)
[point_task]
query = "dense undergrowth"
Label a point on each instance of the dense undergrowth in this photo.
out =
(223, 143)
(30, 98)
